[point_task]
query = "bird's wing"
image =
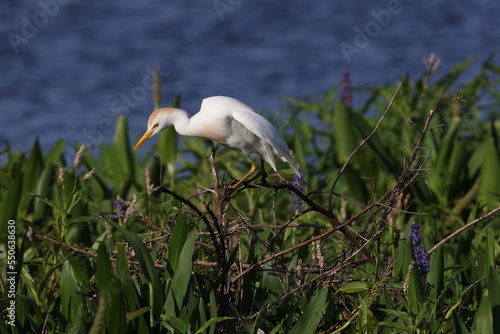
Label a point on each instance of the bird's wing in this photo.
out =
(261, 127)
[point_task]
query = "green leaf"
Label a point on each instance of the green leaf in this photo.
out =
(110, 287)
(460, 327)
(446, 147)
(129, 290)
(475, 162)
(157, 291)
(212, 322)
(494, 296)
(416, 291)
(179, 236)
(312, 314)
(346, 139)
(394, 325)
(72, 303)
(382, 153)
(483, 321)
(32, 168)
(298, 150)
(182, 276)
(42, 190)
(76, 266)
(147, 264)
(126, 158)
(489, 189)
(212, 305)
(435, 276)
(354, 287)
(134, 314)
(55, 157)
(52, 204)
(395, 313)
(176, 102)
(489, 251)
(141, 252)
(453, 75)
(179, 325)
(167, 146)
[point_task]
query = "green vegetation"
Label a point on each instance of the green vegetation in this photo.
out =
(111, 243)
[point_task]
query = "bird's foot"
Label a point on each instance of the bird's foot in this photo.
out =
(236, 184)
(213, 147)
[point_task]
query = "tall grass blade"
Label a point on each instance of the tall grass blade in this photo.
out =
(483, 321)
(42, 189)
(110, 288)
(460, 327)
(182, 276)
(142, 254)
(345, 137)
(55, 156)
(312, 314)
(436, 275)
(33, 168)
(73, 306)
(416, 291)
(179, 236)
(125, 159)
(211, 322)
(130, 292)
(489, 189)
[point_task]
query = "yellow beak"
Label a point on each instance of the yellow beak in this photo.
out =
(148, 134)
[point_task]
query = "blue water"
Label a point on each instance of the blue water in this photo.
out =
(69, 68)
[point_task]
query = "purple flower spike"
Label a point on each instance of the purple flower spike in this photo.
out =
(118, 205)
(418, 249)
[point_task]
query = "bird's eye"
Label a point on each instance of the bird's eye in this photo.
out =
(155, 126)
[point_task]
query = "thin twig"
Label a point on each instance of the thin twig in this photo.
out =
(276, 255)
(73, 248)
(356, 150)
(82, 251)
(347, 262)
(195, 209)
(316, 207)
(463, 228)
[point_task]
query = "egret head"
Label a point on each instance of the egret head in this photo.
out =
(159, 120)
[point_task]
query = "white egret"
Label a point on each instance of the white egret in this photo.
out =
(227, 121)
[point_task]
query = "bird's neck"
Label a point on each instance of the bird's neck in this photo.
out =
(182, 123)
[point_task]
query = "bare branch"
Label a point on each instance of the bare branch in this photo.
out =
(463, 228)
(356, 150)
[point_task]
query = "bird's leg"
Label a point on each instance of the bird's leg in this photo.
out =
(212, 146)
(212, 165)
(263, 170)
(244, 178)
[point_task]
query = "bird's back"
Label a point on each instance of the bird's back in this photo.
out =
(222, 106)
(244, 129)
